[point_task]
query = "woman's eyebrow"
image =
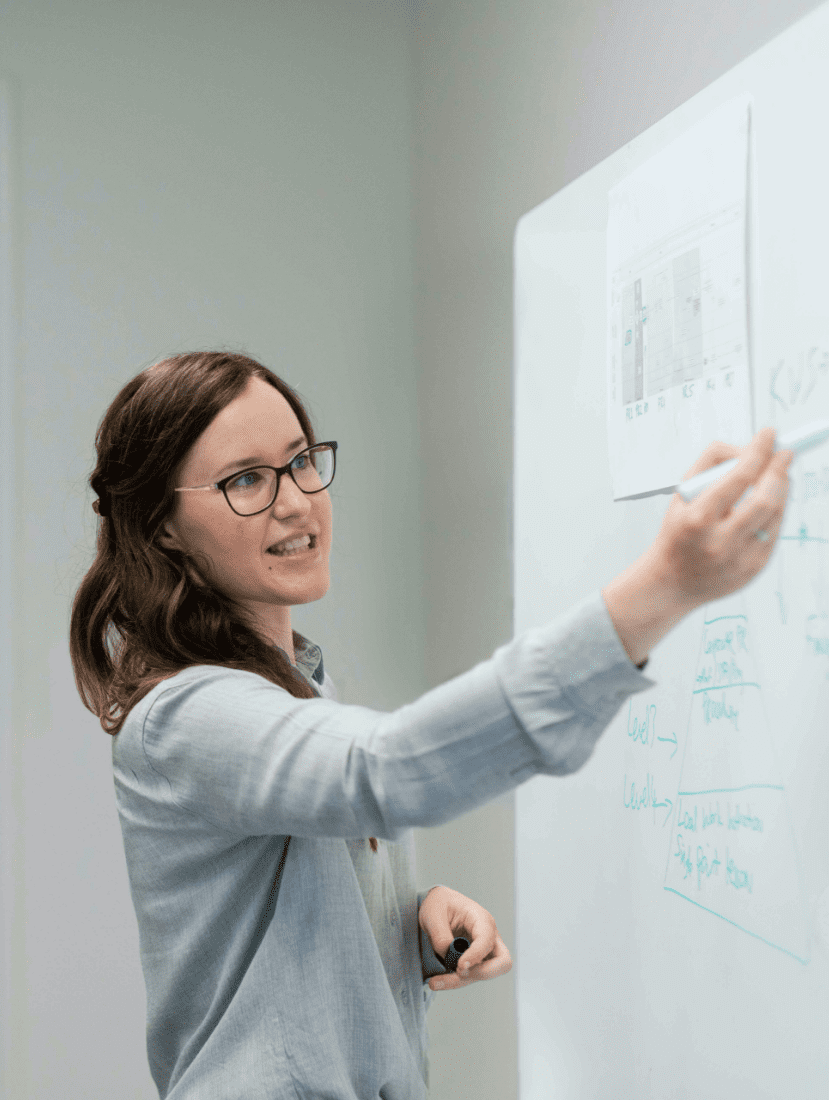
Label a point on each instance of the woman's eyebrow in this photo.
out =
(255, 460)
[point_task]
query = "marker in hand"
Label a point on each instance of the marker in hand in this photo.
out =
(801, 439)
(456, 949)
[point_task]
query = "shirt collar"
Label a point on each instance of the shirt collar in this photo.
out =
(308, 659)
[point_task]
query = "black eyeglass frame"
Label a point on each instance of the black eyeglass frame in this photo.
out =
(278, 470)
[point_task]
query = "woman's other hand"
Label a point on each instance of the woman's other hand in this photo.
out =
(446, 914)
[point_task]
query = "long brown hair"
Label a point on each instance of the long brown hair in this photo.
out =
(138, 617)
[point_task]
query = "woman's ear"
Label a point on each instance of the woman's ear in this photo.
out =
(168, 538)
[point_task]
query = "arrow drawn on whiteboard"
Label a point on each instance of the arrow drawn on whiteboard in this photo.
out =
(666, 802)
(671, 740)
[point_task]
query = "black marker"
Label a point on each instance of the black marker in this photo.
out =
(456, 949)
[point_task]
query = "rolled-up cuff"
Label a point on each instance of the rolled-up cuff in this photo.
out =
(431, 964)
(565, 682)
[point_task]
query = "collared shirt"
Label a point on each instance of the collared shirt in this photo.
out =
(318, 988)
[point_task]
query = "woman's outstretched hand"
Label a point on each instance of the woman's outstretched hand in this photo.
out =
(446, 914)
(705, 549)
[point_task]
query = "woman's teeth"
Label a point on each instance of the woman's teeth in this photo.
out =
(291, 547)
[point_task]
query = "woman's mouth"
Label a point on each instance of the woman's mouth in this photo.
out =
(294, 547)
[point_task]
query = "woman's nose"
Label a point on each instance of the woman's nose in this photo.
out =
(290, 496)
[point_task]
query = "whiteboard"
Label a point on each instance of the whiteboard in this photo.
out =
(672, 897)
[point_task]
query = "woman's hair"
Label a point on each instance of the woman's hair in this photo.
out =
(138, 617)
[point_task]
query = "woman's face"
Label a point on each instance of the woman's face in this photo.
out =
(258, 425)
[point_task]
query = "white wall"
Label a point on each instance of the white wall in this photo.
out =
(330, 185)
(189, 174)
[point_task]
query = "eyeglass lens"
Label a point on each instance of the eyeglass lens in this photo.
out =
(255, 489)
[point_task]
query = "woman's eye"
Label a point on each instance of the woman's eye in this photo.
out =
(298, 462)
(241, 483)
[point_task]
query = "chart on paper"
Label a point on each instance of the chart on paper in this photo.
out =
(678, 299)
(681, 310)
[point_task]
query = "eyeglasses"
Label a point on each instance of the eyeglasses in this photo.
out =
(254, 490)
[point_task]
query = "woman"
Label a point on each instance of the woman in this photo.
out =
(242, 783)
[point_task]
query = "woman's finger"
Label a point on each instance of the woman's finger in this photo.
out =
(448, 981)
(719, 498)
(499, 963)
(492, 968)
(469, 961)
(713, 454)
(481, 948)
(765, 507)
